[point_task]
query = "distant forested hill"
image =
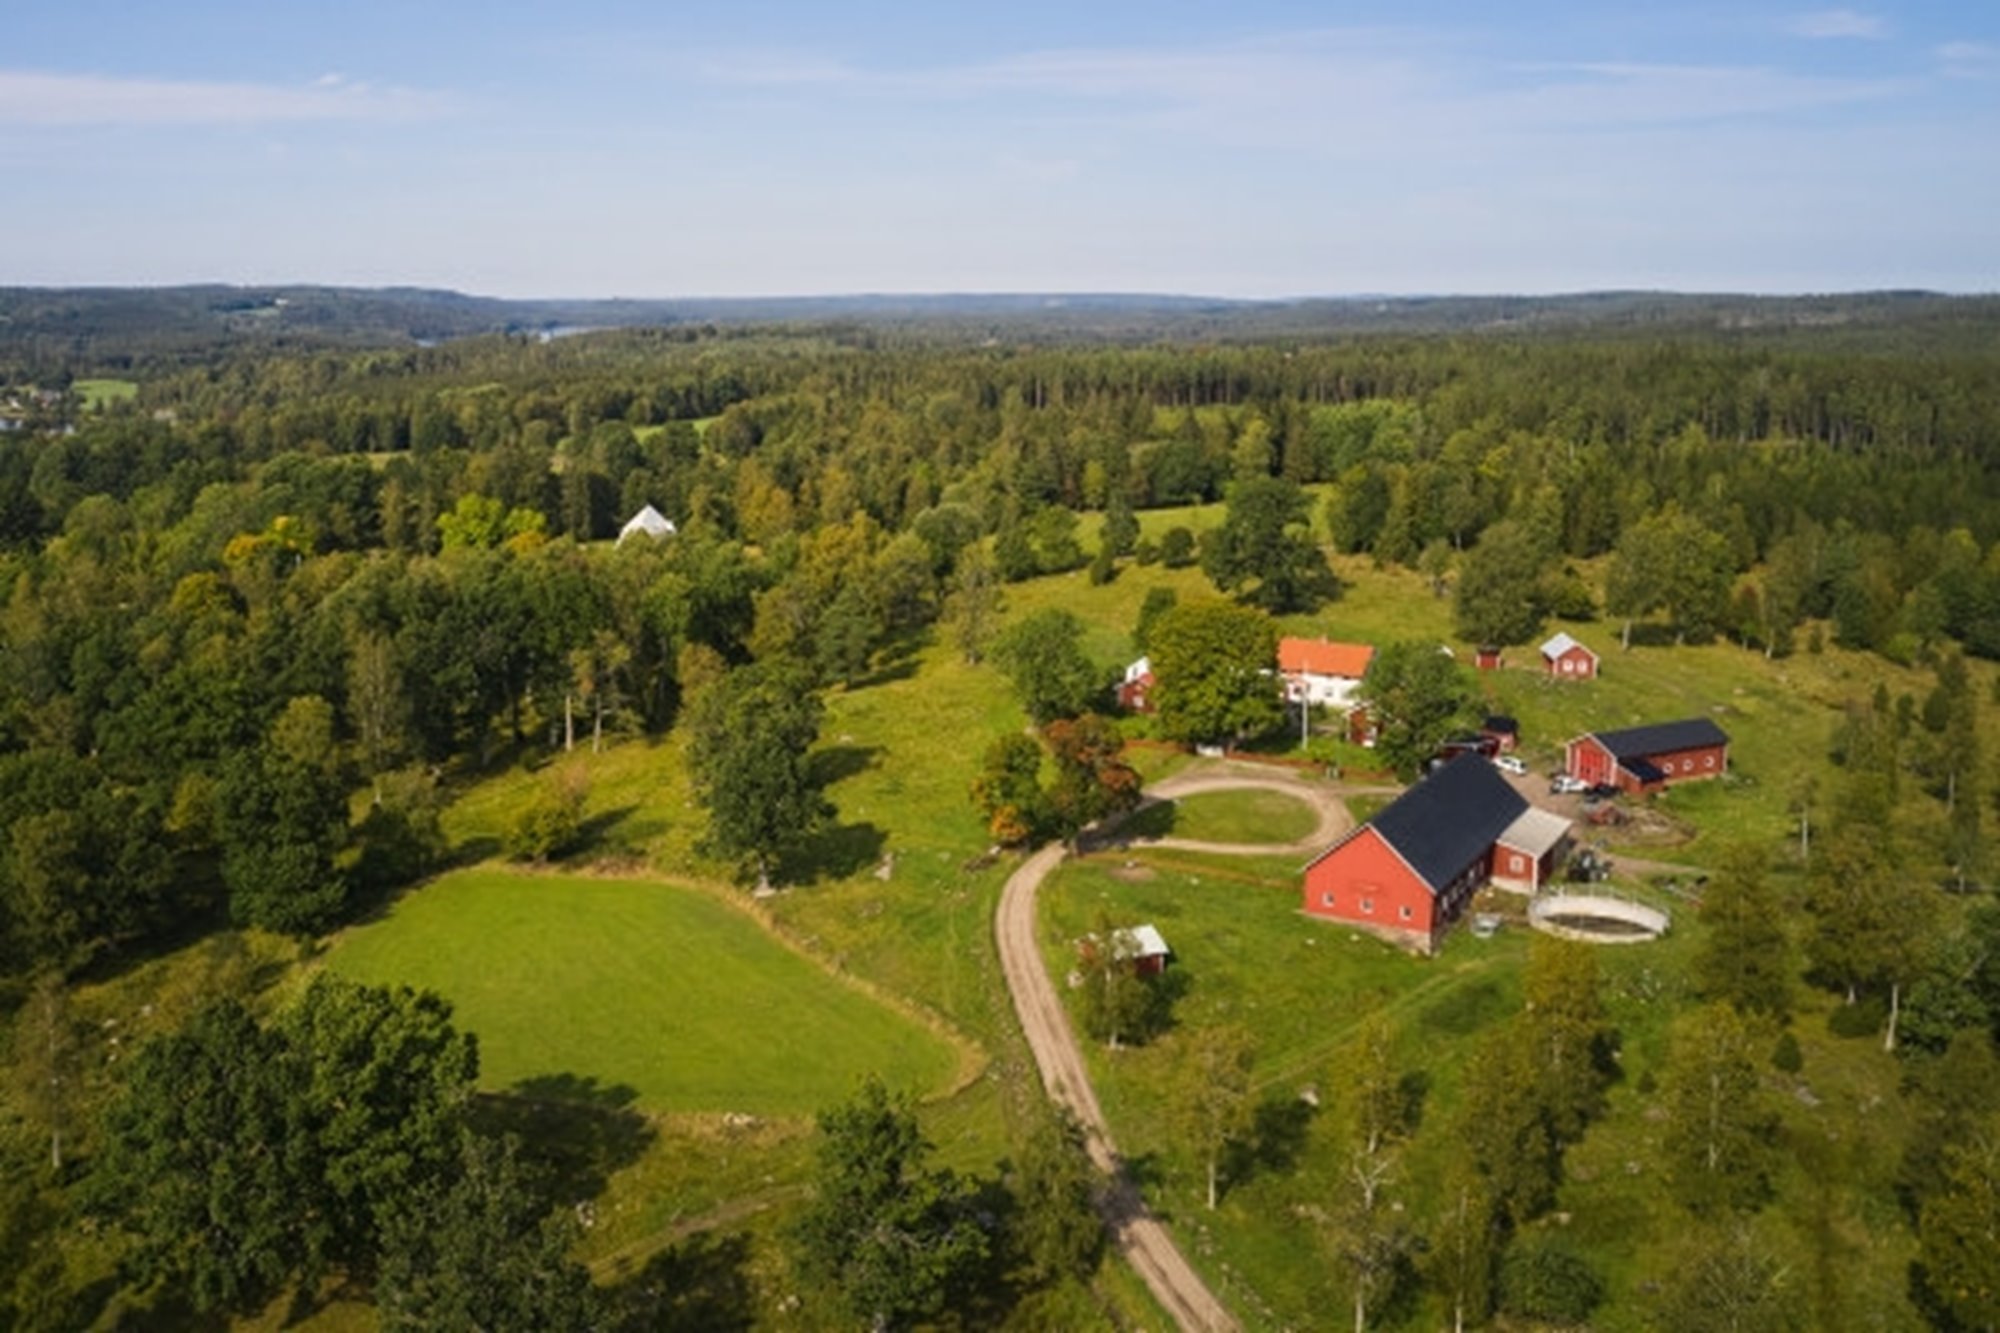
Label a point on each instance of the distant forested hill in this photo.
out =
(48, 332)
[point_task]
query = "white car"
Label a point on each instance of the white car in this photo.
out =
(1562, 784)
(1507, 763)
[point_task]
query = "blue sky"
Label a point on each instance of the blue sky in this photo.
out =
(1258, 148)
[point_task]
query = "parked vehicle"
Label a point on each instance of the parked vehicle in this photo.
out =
(1507, 763)
(1562, 784)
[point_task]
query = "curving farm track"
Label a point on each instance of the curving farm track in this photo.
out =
(1139, 1235)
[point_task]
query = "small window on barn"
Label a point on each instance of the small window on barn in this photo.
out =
(1709, 762)
(1326, 899)
(1404, 912)
(1368, 906)
(1516, 864)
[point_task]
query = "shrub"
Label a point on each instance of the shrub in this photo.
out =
(1543, 1278)
(548, 824)
(1177, 548)
(1786, 1056)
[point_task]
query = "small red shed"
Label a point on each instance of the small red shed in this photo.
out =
(1486, 657)
(1406, 873)
(1566, 659)
(1642, 760)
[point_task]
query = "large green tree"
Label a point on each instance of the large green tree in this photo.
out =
(1419, 698)
(1743, 956)
(1043, 656)
(1056, 1230)
(281, 823)
(893, 1234)
(1265, 553)
(1719, 1125)
(1674, 563)
(750, 754)
(477, 1248)
(243, 1157)
(1499, 596)
(1959, 1232)
(1211, 669)
(208, 1164)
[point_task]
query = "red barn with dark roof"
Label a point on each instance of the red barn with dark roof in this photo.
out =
(1406, 873)
(1642, 760)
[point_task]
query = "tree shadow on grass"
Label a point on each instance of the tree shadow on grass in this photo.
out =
(573, 1130)
(593, 833)
(838, 851)
(700, 1284)
(481, 847)
(836, 763)
(1277, 1138)
(1154, 820)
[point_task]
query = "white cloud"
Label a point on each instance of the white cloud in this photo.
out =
(1316, 89)
(33, 97)
(1835, 23)
(1968, 60)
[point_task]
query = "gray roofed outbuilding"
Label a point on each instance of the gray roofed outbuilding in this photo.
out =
(1693, 733)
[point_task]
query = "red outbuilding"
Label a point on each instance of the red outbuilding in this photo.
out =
(1642, 760)
(1407, 873)
(1566, 659)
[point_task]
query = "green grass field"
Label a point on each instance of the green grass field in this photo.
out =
(1244, 817)
(632, 983)
(96, 395)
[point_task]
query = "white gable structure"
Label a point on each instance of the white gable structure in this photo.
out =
(648, 522)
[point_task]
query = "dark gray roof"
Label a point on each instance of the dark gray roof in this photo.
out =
(1661, 738)
(1450, 819)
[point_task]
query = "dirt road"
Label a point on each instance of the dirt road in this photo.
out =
(1140, 1236)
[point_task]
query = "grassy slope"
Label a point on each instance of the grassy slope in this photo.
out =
(662, 990)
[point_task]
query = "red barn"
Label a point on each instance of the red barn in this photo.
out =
(1566, 659)
(1406, 873)
(1641, 760)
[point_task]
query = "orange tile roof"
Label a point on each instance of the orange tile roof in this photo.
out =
(1321, 657)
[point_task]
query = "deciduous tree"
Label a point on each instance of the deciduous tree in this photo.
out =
(1211, 665)
(1744, 955)
(1092, 780)
(1264, 550)
(1043, 656)
(1211, 1102)
(892, 1233)
(750, 755)
(1418, 698)
(1499, 594)
(1719, 1125)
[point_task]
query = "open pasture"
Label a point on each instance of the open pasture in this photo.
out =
(593, 985)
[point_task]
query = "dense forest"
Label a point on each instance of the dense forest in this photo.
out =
(259, 616)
